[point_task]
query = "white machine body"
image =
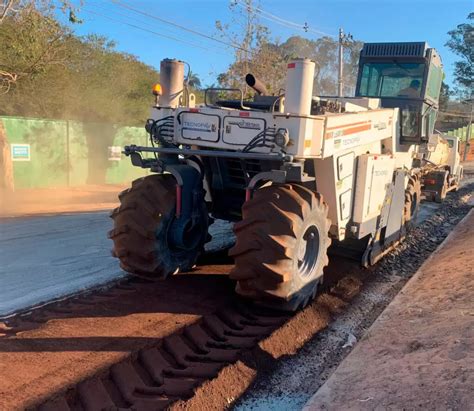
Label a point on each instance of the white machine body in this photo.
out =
(355, 152)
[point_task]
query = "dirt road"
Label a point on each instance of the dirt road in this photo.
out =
(103, 338)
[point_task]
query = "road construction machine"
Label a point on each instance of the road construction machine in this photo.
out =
(295, 173)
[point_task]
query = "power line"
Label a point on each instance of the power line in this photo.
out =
(149, 31)
(129, 16)
(287, 23)
(143, 21)
(195, 32)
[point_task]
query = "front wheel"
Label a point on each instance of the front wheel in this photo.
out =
(145, 230)
(281, 246)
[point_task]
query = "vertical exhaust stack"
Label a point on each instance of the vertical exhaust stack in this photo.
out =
(299, 86)
(172, 82)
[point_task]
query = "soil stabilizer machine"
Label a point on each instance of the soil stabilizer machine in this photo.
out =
(295, 172)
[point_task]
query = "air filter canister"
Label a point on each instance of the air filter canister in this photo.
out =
(299, 86)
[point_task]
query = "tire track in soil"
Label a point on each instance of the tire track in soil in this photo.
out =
(226, 344)
(170, 371)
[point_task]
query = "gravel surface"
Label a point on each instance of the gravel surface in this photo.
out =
(292, 381)
(420, 346)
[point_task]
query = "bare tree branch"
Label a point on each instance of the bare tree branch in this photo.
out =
(7, 5)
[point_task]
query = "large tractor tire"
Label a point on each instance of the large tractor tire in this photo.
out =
(281, 246)
(142, 226)
(412, 201)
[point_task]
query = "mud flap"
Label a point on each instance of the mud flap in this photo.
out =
(189, 181)
(390, 230)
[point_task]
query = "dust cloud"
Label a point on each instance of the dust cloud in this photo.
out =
(22, 202)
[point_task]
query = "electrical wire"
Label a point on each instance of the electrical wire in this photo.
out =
(283, 22)
(172, 23)
(140, 21)
(150, 31)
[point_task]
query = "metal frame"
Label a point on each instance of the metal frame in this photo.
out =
(224, 89)
(129, 150)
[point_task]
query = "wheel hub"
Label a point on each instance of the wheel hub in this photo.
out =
(184, 234)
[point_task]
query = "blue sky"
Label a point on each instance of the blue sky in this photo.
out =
(367, 20)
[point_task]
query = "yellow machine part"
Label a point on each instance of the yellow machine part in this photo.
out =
(440, 154)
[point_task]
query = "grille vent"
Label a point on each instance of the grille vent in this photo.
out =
(394, 49)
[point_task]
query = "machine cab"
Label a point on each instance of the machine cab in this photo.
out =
(404, 75)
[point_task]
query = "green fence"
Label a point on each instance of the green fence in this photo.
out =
(467, 144)
(56, 153)
(461, 133)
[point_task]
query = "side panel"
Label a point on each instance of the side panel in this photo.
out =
(374, 173)
(239, 130)
(395, 218)
(199, 127)
(351, 130)
(335, 180)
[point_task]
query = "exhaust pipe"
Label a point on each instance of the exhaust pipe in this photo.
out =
(256, 84)
(171, 80)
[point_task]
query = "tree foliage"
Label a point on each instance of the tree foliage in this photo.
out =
(268, 62)
(60, 75)
(461, 42)
(267, 59)
(13, 7)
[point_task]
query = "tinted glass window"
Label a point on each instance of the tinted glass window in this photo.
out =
(392, 80)
(410, 122)
(434, 82)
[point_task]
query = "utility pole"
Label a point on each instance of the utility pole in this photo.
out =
(344, 40)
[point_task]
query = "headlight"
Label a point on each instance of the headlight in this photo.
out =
(281, 137)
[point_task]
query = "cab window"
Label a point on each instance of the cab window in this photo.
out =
(435, 79)
(401, 80)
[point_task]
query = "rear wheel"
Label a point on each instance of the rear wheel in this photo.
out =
(145, 230)
(412, 201)
(281, 246)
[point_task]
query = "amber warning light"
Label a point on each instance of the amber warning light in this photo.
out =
(156, 89)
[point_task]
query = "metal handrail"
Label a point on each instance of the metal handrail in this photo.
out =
(225, 89)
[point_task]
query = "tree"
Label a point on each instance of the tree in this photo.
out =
(12, 7)
(267, 59)
(461, 42)
(62, 76)
(248, 37)
(30, 42)
(193, 80)
(269, 62)
(444, 96)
